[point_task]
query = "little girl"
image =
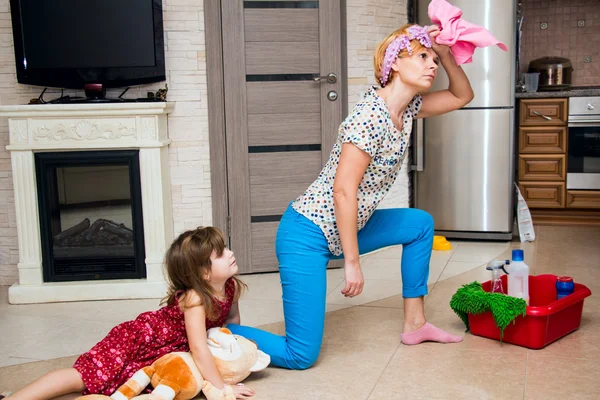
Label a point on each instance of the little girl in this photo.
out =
(203, 293)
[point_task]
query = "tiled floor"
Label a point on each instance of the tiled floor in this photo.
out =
(362, 357)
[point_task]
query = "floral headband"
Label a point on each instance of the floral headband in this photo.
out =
(415, 32)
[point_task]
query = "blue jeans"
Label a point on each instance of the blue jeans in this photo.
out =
(303, 256)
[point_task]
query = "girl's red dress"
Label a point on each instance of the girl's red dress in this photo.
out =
(133, 345)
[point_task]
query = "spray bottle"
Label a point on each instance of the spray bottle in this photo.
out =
(497, 267)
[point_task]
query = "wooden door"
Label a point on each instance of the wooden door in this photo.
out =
(280, 123)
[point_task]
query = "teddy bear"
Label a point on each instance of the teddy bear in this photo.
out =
(175, 376)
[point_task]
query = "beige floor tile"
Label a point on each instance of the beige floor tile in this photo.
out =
(478, 251)
(564, 246)
(363, 324)
(550, 378)
(393, 252)
(263, 286)
(121, 310)
(454, 268)
(8, 361)
(381, 268)
(436, 269)
(374, 289)
(74, 340)
(343, 371)
(389, 268)
(334, 278)
(24, 331)
(396, 301)
(442, 256)
(335, 307)
(268, 286)
(444, 372)
(260, 312)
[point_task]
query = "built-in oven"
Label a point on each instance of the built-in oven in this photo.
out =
(583, 165)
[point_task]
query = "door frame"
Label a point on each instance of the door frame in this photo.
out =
(216, 108)
(216, 116)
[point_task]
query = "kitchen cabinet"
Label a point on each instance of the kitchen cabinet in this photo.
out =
(543, 140)
(542, 166)
(543, 112)
(542, 152)
(583, 199)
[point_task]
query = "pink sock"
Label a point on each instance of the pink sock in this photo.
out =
(429, 333)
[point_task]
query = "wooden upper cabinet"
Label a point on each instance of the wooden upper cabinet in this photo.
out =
(543, 112)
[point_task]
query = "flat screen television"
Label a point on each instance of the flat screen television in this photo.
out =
(88, 43)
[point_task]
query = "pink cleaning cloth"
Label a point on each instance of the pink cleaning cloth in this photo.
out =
(461, 36)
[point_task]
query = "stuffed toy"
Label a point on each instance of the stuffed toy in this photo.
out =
(175, 376)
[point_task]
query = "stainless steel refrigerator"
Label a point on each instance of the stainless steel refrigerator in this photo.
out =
(464, 160)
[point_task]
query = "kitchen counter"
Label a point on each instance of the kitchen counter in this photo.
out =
(575, 91)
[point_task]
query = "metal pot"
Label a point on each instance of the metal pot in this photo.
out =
(555, 72)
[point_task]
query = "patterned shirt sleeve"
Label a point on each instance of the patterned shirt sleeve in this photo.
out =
(365, 128)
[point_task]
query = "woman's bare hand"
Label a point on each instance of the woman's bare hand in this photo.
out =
(354, 279)
(434, 31)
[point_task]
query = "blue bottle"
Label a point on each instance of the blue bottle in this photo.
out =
(564, 286)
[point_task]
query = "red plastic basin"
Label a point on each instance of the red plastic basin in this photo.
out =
(547, 319)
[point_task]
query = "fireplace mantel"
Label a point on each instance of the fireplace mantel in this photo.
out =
(81, 127)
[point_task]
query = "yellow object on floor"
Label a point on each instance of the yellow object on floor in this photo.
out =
(440, 243)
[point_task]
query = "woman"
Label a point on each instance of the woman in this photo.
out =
(336, 216)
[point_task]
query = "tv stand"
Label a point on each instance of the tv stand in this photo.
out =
(84, 100)
(96, 94)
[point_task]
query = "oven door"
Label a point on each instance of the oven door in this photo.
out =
(583, 166)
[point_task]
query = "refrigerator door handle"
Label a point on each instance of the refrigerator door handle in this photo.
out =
(419, 163)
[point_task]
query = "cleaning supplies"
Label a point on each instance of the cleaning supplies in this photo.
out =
(564, 286)
(472, 299)
(461, 36)
(524, 222)
(497, 267)
(518, 276)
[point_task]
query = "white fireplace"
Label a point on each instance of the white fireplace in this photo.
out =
(86, 127)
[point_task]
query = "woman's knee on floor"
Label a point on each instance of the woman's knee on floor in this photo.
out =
(304, 359)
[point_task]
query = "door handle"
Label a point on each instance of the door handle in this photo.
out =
(547, 118)
(330, 78)
(419, 165)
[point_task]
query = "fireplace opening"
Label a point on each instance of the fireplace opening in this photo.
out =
(90, 206)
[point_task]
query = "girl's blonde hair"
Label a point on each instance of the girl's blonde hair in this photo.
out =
(381, 48)
(188, 262)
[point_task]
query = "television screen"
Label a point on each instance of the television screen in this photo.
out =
(69, 43)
